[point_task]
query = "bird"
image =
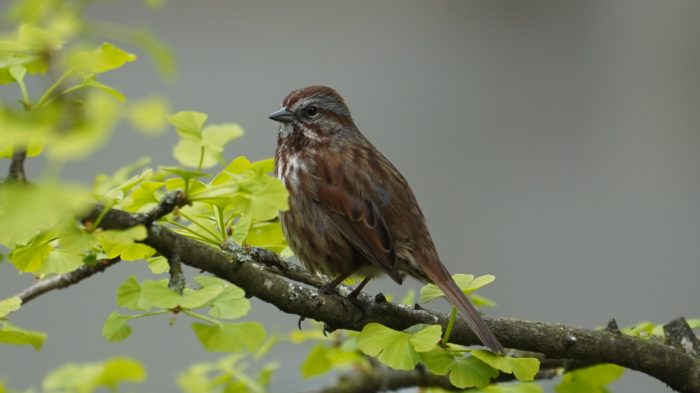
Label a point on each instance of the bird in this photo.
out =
(351, 212)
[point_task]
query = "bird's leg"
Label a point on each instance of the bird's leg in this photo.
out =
(330, 287)
(358, 289)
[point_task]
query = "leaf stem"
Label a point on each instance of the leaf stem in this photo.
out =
(200, 316)
(201, 158)
(194, 234)
(103, 213)
(209, 231)
(25, 94)
(450, 325)
(53, 87)
(220, 219)
(149, 314)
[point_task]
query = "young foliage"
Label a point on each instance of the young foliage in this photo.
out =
(199, 146)
(89, 377)
(227, 375)
(466, 282)
(220, 298)
(590, 380)
(398, 349)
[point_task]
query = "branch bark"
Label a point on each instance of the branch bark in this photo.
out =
(169, 203)
(64, 280)
(16, 172)
(674, 366)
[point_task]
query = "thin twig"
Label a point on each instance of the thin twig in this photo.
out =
(65, 280)
(16, 173)
(167, 205)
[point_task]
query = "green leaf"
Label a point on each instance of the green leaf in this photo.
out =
(316, 363)
(157, 293)
(149, 115)
(14, 335)
(199, 146)
(184, 173)
(18, 72)
(241, 229)
(398, 350)
(30, 258)
(589, 380)
(76, 240)
(87, 377)
(466, 282)
(99, 116)
(524, 369)
(230, 303)
(230, 337)
(37, 208)
(261, 199)
(216, 136)
(438, 361)
(643, 329)
(116, 327)
(129, 295)
(121, 369)
(471, 372)
(61, 261)
(426, 338)
(481, 301)
(104, 58)
(266, 234)
(122, 243)
(137, 251)
(190, 153)
(198, 298)
(158, 264)
(322, 359)
(9, 305)
(189, 123)
(71, 377)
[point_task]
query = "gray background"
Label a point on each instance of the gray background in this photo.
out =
(553, 144)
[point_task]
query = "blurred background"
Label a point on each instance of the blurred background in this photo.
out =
(553, 144)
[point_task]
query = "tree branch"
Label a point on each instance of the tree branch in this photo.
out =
(16, 173)
(676, 367)
(65, 280)
(166, 205)
(380, 378)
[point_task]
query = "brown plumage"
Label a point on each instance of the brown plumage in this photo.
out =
(350, 210)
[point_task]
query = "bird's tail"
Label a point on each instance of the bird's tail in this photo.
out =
(438, 274)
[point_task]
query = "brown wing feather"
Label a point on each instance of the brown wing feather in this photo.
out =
(363, 227)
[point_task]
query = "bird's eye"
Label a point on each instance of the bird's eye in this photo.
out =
(311, 111)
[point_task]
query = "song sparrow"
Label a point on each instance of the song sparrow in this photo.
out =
(350, 210)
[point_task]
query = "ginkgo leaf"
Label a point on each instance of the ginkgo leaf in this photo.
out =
(466, 282)
(9, 305)
(592, 379)
(524, 369)
(129, 295)
(60, 261)
(104, 58)
(188, 123)
(398, 350)
(230, 337)
(123, 243)
(468, 371)
(115, 327)
(14, 335)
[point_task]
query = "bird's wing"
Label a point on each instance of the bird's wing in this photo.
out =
(363, 226)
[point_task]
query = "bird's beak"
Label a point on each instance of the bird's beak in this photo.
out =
(282, 116)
